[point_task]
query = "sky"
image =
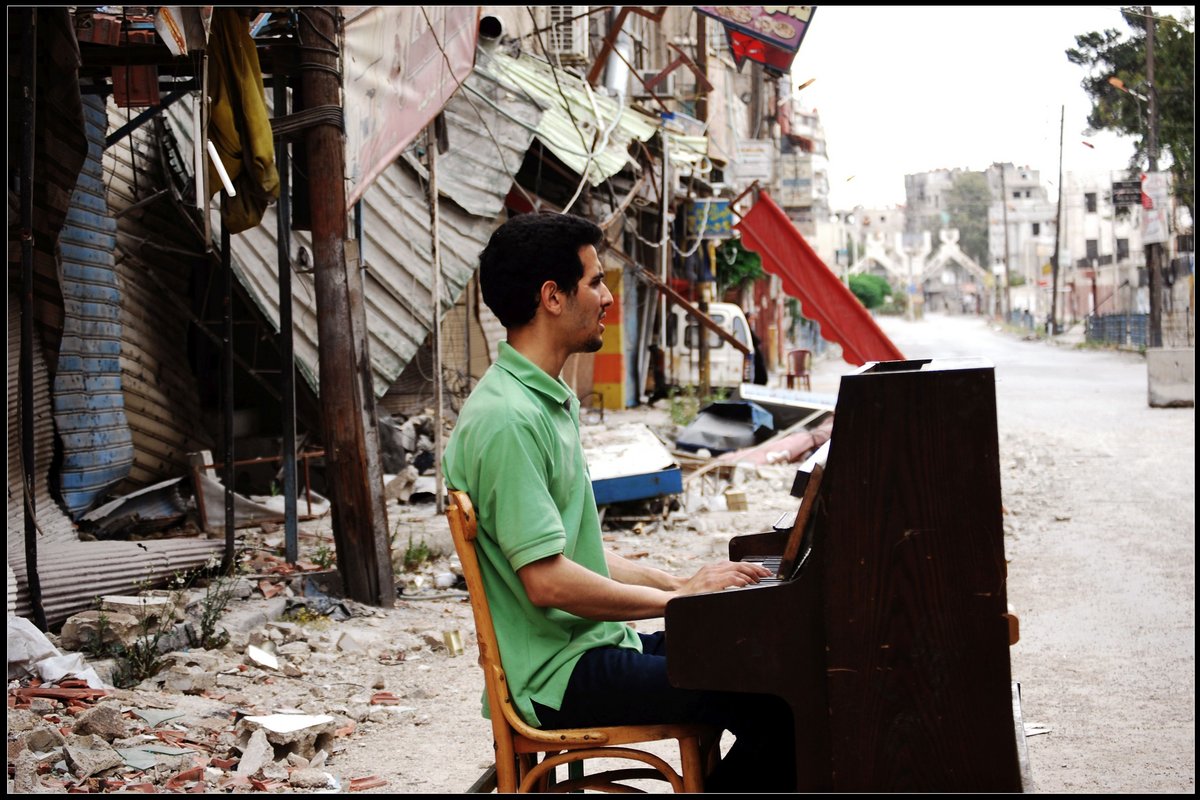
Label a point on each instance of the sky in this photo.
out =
(908, 89)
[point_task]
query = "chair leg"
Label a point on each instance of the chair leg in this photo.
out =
(692, 763)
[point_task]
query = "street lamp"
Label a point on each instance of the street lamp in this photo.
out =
(1120, 84)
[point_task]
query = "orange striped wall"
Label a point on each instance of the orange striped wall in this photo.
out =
(608, 371)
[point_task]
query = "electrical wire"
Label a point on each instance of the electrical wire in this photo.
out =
(567, 105)
(462, 83)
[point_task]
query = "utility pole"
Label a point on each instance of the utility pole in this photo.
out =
(1154, 250)
(348, 417)
(435, 332)
(1007, 277)
(1052, 327)
(705, 389)
(702, 64)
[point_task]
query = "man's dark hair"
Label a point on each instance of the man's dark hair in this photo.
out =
(525, 252)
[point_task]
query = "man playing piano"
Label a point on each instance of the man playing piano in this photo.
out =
(559, 600)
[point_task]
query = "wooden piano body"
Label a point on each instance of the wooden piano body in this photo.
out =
(890, 643)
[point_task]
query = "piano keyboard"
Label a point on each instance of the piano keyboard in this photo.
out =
(770, 562)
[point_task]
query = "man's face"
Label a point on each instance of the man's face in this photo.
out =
(585, 309)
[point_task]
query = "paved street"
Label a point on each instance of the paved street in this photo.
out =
(1099, 491)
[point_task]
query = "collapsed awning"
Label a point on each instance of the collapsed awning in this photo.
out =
(823, 297)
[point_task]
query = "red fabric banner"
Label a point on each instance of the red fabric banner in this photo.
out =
(823, 297)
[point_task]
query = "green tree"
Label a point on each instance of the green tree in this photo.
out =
(967, 202)
(871, 290)
(736, 265)
(1109, 53)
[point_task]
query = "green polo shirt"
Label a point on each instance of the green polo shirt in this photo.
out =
(515, 450)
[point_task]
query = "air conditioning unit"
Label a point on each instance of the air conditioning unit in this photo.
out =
(663, 89)
(567, 31)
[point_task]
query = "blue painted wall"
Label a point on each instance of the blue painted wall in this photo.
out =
(89, 407)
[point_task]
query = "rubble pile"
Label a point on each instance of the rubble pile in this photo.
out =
(270, 711)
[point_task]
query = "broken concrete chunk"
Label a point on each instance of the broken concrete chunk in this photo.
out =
(188, 680)
(150, 610)
(103, 720)
(86, 759)
(303, 734)
(105, 627)
(310, 779)
(256, 753)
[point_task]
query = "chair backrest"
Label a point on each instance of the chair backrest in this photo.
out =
(799, 362)
(505, 720)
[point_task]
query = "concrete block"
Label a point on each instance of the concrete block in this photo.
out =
(1171, 377)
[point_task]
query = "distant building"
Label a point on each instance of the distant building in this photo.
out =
(1021, 233)
(1102, 262)
(803, 190)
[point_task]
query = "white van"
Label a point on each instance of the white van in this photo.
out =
(728, 367)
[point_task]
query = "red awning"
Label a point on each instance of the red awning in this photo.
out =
(823, 297)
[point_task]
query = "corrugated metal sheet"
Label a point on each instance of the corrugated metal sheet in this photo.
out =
(110, 567)
(397, 255)
(489, 129)
(89, 409)
(571, 96)
(162, 395)
(52, 522)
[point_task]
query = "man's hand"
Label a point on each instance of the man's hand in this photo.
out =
(723, 575)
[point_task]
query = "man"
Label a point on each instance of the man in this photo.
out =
(559, 601)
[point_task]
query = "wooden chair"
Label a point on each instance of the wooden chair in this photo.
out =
(519, 745)
(799, 364)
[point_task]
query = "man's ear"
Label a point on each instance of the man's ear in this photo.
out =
(551, 298)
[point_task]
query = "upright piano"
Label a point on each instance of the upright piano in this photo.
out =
(888, 635)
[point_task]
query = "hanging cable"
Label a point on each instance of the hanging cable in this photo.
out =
(460, 84)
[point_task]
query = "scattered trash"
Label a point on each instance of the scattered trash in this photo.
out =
(454, 642)
(262, 657)
(30, 653)
(1036, 728)
(154, 508)
(369, 782)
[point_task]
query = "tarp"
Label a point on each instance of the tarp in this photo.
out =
(823, 297)
(724, 426)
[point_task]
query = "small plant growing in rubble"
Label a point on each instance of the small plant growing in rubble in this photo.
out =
(416, 554)
(143, 658)
(323, 556)
(95, 644)
(212, 608)
(307, 617)
(685, 404)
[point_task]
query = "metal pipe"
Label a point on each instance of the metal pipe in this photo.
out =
(227, 391)
(665, 240)
(287, 379)
(431, 151)
(28, 452)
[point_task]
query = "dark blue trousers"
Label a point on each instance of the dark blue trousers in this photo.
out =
(619, 686)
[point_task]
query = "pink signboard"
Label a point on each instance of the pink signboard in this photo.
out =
(402, 63)
(782, 27)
